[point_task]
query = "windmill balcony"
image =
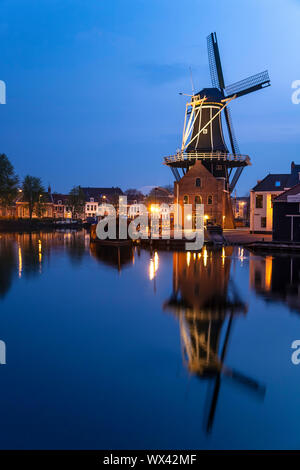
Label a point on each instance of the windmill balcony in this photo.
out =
(182, 159)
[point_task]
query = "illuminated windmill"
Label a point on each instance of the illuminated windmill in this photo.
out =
(203, 137)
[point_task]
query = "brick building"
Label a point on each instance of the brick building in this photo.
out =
(199, 186)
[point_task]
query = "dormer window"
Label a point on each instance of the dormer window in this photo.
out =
(59, 202)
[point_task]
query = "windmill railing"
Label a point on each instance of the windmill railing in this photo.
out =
(190, 156)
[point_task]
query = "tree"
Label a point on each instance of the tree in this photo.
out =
(8, 182)
(134, 195)
(169, 187)
(33, 192)
(77, 201)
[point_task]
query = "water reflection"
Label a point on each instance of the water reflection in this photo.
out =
(24, 254)
(116, 257)
(277, 278)
(8, 261)
(206, 301)
(122, 378)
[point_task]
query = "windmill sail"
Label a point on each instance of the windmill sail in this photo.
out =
(248, 85)
(214, 60)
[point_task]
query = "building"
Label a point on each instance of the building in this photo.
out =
(286, 215)
(95, 197)
(241, 210)
(45, 209)
(263, 195)
(199, 186)
(61, 206)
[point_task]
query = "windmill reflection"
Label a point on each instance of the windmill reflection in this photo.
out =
(206, 301)
(277, 278)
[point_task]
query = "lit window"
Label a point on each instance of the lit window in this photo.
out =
(277, 184)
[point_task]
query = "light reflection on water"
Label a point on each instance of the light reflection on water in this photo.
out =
(128, 348)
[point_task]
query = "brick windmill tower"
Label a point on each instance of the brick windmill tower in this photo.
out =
(205, 170)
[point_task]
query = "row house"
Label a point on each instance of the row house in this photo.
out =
(45, 210)
(264, 193)
(61, 206)
(95, 197)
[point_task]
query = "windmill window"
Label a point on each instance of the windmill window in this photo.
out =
(209, 199)
(185, 199)
(277, 184)
(198, 182)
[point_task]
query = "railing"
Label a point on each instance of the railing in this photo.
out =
(184, 157)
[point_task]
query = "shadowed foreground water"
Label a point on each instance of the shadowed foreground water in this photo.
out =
(132, 349)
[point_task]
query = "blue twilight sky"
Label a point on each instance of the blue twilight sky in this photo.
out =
(92, 85)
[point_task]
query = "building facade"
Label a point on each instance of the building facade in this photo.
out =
(286, 216)
(199, 186)
(264, 193)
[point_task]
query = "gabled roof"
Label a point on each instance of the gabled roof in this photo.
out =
(283, 197)
(64, 198)
(97, 193)
(270, 182)
(294, 176)
(47, 198)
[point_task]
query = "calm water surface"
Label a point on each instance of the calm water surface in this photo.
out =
(146, 350)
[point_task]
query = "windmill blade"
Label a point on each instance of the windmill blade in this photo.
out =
(233, 142)
(248, 85)
(214, 60)
(234, 147)
(235, 178)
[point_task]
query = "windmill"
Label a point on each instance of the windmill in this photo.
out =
(203, 137)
